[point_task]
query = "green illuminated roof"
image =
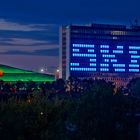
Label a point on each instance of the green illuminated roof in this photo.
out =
(8, 73)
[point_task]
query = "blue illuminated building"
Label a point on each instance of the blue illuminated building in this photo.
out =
(87, 50)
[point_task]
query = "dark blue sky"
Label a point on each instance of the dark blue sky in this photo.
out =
(29, 28)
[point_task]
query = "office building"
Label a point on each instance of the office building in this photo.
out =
(110, 52)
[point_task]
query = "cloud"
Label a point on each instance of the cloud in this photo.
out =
(25, 42)
(43, 52)
(15, 26)
(27, 45)
(18, 34)
(6, 48)
(30, 62)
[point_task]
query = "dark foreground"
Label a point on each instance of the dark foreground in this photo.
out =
(93, 113)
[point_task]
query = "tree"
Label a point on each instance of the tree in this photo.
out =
(134, 87)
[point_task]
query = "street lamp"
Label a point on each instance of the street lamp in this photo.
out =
(41, 70)
(57, 74)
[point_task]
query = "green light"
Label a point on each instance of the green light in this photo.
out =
(13, 74)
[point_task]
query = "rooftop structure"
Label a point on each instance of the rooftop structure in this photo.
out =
(11, 74)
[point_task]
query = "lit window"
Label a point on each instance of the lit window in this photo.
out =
(75, 50)
(104, 69)
(135, 56)
(108, 56)
(104, 46)
(118, 65)
(106, 60)
(92, 64)
(133, 52)
(83, 55)
(119, 70)
(134, 61)
(119, 47)
(91, 50)
(74, 64)
(134, 47)
(104, 51)
(92, 60)
(133, 70)
(114, 37)
(104, 65)
(83, 69)
(113, 60)
(134, 65)
(117, 51)
(83, 45)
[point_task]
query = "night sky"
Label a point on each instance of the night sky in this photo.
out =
(29, 29)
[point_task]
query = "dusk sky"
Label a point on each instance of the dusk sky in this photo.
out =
(29, 29)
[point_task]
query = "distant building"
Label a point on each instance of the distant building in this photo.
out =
(110, 52)
(11, 74)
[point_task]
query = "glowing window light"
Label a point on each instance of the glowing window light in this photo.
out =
(104, 46)
(118, 65)
(104, 65)
(106, 60)
(83, 69)
(134, 65)
(119, 47)
(134, 61)
(117, 51)
(113, 60)
(135, 56)
(104, 69)
(75, 50)
(108, 56)
(133, 70)
(134, 47)
(83, 45)
(119, 70)
(104, 51)
(90, 50)
(133, 52)
(83, 55)
(92, 60)
(74, 64)
(92, 64)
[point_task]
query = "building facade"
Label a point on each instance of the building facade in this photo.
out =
(110, 52)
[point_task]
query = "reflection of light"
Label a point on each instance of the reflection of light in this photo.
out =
(57, 70)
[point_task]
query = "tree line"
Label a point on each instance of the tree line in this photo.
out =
(98, 113)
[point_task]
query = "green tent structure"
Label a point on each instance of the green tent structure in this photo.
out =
(11, 74)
